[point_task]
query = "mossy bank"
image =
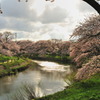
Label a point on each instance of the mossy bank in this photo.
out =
(12, 65)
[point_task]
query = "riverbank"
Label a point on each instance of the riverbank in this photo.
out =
(84, 90)
(42, 79)
(12, 65)
(67, 60)
(87, 89)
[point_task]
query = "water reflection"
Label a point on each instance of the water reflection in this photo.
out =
(38, 81)
(52, 66)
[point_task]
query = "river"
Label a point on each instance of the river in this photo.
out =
(44, 79)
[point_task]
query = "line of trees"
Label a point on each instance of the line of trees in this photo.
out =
(44, 47)
(40, 48)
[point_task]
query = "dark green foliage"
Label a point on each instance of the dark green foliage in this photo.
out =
(57, 58)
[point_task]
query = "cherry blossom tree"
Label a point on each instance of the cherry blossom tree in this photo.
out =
(7, 46)
(89, 69)
(87, 44)
(7, 36)
(44, 47)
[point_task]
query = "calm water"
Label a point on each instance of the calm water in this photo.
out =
(45, 79)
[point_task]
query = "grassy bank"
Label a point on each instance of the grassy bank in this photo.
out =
(84, 90)
(65, 59)
(12, 65)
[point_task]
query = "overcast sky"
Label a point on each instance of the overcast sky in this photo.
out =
(41, 20)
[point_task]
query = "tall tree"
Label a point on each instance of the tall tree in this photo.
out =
(7, 36)
(88, 40)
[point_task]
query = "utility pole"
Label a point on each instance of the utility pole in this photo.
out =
(15, 36)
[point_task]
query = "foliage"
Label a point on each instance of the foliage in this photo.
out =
(7, 45)
(42, 48)
(89, 69)
(87, 44)
(9, 48)
(30, 48)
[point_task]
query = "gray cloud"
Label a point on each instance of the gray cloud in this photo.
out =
(54, 15)
(16, 24)
(3, 22)
(19, 17)
(12, 8)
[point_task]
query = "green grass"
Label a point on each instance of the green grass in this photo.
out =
(11, 65)
(4, 58)
(84, 90)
